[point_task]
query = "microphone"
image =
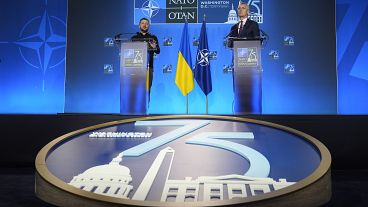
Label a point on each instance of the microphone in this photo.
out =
(264, 37)
(117, 35)
(122, 36)
(264, 34)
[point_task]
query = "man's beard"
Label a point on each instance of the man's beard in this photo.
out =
(144, 30)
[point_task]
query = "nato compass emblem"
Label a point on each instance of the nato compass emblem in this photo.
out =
(39, 40)
(203, 57)
(150, 8)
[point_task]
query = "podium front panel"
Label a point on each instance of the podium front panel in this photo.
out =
(247, 77)
(133, 69)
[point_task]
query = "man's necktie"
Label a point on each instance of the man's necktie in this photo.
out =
(240, 28)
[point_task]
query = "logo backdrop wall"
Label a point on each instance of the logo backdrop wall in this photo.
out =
(301, 78)
(297, 77)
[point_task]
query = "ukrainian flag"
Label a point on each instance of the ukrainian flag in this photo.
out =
(184, 75)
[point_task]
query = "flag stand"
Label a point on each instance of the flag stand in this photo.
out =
(187, 102)
(206, 104)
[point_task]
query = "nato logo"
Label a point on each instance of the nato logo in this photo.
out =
(108, 42)
(242, 52)
(177, 11)
(203, 57)
(129, 53)
(150, 9)
(166, 11)
(168, 41)
(108, 69)
(274, 54)
(167, 68)
(289, 68)
(182, 160)
(42, 43)
(289, 41)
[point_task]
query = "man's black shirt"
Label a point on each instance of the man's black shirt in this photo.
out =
(147, 37)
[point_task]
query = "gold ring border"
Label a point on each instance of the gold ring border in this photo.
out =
(318, 173)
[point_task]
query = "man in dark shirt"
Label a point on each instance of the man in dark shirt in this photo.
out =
(153, 46)
(245, 28)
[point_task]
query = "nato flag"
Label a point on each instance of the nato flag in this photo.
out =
(202, 72)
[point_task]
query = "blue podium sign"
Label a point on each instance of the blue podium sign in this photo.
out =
(133, 72)
(247, 76)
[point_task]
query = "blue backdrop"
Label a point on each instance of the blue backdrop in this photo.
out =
(32, 56)
(308, 88)
(297, 80)
(352, 56)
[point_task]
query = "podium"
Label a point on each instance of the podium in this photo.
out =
(133, 78)
(247, 75)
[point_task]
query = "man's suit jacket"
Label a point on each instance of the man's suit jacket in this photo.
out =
(250, 30)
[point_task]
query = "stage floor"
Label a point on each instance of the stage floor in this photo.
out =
(349, 188)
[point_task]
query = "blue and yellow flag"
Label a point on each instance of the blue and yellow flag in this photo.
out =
(184, 74)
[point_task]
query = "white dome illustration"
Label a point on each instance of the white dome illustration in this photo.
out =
(111, 179)
(232, 18)
(109, 170)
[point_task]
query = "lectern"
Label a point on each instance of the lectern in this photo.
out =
(247, 75)
(133, 78)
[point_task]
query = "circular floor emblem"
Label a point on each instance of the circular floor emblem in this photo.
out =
(171, 160)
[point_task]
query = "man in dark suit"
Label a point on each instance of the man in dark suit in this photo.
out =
(245, 28)
(153, 46)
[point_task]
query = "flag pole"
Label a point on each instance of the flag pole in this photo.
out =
(204, 19)
(187, 102)
(186, 97)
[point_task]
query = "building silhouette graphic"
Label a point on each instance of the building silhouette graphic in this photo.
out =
(232, 18)
(114, 180)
